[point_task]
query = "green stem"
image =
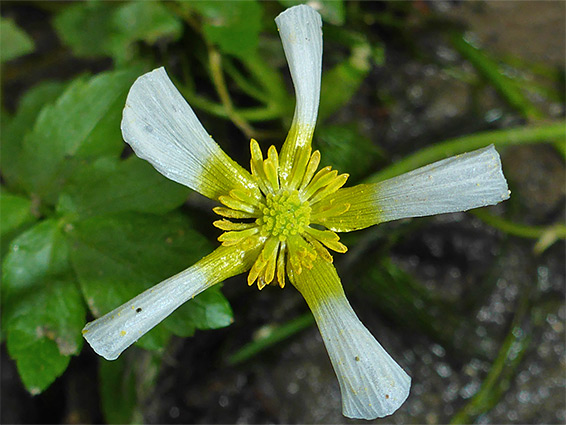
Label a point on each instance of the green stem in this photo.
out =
(254, 114)
(516, 229)
(247, 86)
(555, 132)
(215, 62)
(489, 69)
(545, 235)
(269, 79)
(278, 334)
(503, 368)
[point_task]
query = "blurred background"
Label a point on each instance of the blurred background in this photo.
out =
(470, 304)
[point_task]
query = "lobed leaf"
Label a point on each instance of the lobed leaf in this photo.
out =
(109, 186)
(14, 131)
(141, 21)
(84, 122)
(94, 29)
(85, 27)
(34, 255)
(42, 309)
(43, 329)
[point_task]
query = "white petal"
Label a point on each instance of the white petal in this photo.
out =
(161, 128)
(372, 384)
(111, 334)
(459, 183)
(301, 35)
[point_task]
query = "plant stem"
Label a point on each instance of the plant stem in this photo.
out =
(503, 368)
(490, 70)
(215, 62)
(555, 131)
(276, 335)
(546, 235)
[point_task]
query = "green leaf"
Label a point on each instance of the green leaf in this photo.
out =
(42, 309)
(234, 26)
(43, 329)
(142, 21)
(333, 11)
(94, 29)
(118, 257)
(210, 310)
(84, 122)
(13, 133)
(15, 211)
(109, 185)
(85, 27)
(345, 149)
(14, 41)
(37, 253)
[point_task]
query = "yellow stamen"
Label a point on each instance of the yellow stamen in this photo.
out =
(245, 195)
(227, 225)
(330, 188)
(233, 238)
(230, 213)
(281, 265)
(312, 166)
(282, 214)
(271, 168)
(299, 167)
(236, 204)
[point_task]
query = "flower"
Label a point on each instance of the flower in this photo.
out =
(273, 217)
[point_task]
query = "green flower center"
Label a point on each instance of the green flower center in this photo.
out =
(284, 214)
(290, 197)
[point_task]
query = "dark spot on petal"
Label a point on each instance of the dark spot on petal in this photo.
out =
(138, 310)
(357, 358)
(386, 395)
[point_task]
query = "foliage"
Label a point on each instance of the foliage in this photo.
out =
(86, 226)
(93, 29)
(14, 41)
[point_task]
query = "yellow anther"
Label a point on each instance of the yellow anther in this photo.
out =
(227, 225)
(281, 214)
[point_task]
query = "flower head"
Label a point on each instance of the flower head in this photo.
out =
(279, 221)
(281, 215)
